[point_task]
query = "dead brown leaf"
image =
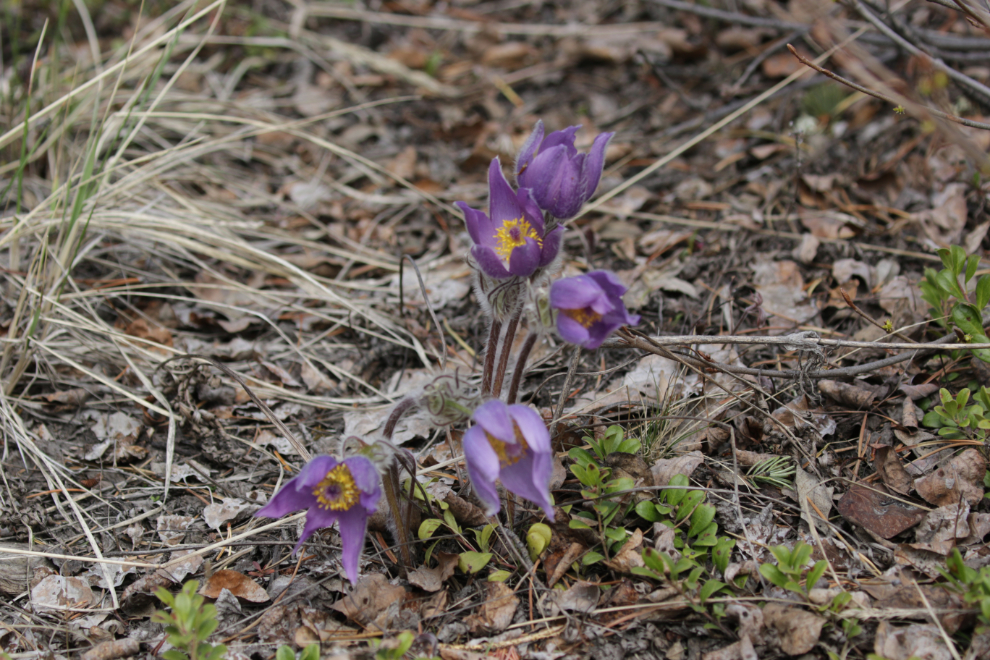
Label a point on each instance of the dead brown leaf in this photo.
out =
(432, 579)
(496, 613)
(369, 599)
(882, 515)
(894, 476)
(797, 629)
(665, 468)
(914, 641)
(940, 528)
(629, 556)
(859, 398)
(236, 583)
(960, 478)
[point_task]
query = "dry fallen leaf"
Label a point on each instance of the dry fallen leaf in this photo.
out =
(629, 556)
(369, 599)
(172, 529)
(217, 514)
(940, 528)
(579, 597)
(877, 512)
(60, 592)
(496, 613)
(960, 478)
(914, 641)
(894, 476)
(432, 579)
(798, 630)
(666, 468)
(236, 583)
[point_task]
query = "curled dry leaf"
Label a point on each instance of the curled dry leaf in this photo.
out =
(874, 510)
(369, 599)
(630, 556)
(113, 649)
(846, 394)
(172, 529)
(432, 579)
(894, 476)
(665, 468)
(940, 528)
(60, 592)
(217, 514)
(16, 571)
(797, 629)
(960, 478)
(579, 597)
(557, 563)
(236, 583)
(496, 612)
(918, 641)
(815, 500)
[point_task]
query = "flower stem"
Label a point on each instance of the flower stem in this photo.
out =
(565, 389)
(520, 367)
(503, 360)
(390, 483)
(486, 375)
(393, 419)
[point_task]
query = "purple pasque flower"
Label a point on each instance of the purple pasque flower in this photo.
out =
(589, 308)
(345, 492)
(561, 179)
(511, 239)
(510, 443)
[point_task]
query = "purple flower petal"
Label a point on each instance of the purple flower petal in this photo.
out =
(551, 246)
(503, 204)
(529, 477)
(532, 427)
(367, 480)
(571, 331)
(608, 281)
(574, 293)
(525, 259)
(479, 225)
(314, 471)
(529, 147)
(563, 138)
(489, 262)
(493, 416)
(592, 167)
(483, 467)
(316, 518)
(353, 525)
(285, 501)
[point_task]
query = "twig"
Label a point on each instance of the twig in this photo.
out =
(883, 97)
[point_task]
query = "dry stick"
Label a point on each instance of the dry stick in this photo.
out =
(869, 319)
(486, 375)
(521, 366)
(883, 97)
(390, 481)
(503, 359)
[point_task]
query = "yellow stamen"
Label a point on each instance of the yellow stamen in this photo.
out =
(520, 449)
(337, 491)
(512, 234)
(585, 316)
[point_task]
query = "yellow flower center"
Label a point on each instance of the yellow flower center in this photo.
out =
(585, 316)
(337, 491)
(512, 234)
(509, 454)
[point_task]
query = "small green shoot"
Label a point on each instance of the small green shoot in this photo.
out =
(188, 625)
(791, 566)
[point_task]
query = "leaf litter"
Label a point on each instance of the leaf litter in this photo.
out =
(256, 211)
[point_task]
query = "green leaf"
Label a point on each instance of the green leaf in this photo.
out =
(174, 654)
(701, 518)
(592, 557)
(971, 265)
(709, 588)
(673, 496)
(932, 419)
(448, 518)
(722, 552)
(428, 527)
(951, 284)
(499, 576)
(645, 572)
(815, 574)
(692, 579)
(617, 534)
(708, 536)
(958, 256)
(537, 539)
(689, 504)
(629, 446)
(793, 586)
(648, 511)
(311, 652)
(285, 652)
(800, 555)
(580, 456)
(772, 573)
(654, 560)
(472, 562)
(574, 523)
(982, 292)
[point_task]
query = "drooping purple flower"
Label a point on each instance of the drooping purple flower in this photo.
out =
(561, 179)
(511, 239)
(589, 307)
(345, 492)
(510, 443)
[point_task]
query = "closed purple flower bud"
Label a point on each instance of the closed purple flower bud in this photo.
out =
(510, 443)
(589, 308)
(511, 239)
(560, 178)
(345, 492)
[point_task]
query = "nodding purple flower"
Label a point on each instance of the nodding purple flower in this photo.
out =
(510, 443)
(511, 239)
(561, 179)
(345, 492)
(589, 308)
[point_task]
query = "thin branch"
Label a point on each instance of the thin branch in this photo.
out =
(869, 92)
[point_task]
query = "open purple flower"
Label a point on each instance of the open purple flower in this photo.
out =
(511, 239)
(589, 308)
(510, 443)
(561, 179)
(345, 492)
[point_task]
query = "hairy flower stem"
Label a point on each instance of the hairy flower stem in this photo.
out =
(521, 366)
(564, 391)
(393, 419)
(391, 484)
(486, 375)
(503, 360)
